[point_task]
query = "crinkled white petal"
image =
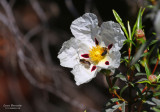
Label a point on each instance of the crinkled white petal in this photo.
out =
(113, 59)
(68, 55)
(84, 46)
(71, 51)
(111, 33)
(83, 75)
(85, 27)
(157, 23)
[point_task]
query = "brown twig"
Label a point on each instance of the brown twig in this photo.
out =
(155, 66)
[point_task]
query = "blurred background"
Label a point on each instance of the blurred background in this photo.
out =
(31, 34)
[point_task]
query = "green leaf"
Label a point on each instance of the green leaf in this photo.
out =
(129, 31)
(113, 108)
(119, 20)
(139, 19)
(115, 87)
(143, 80)
(156, 110)
(156, 94)
(147, 70)
(141, 40)
(137, 66)
(134, 29)
(140, 74)
(153, 42)
(122, 77)
(122, 90)
(131, 84)
(145, 54)
(124, 52)
(129, 41)
(114, 99)
(158, 77)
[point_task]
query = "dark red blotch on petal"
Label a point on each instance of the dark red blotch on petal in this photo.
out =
(96, 42)
(93, 68)
(110, 46)
(107, 62)
(85, 55)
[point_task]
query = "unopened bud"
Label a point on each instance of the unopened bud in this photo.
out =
(152, 78)
(139, 33)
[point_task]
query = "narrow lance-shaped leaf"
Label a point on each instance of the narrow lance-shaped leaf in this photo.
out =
(122, 90)
(119, 20)
(139, 19)
(147, 70)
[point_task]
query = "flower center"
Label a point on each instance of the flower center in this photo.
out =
(95, 54)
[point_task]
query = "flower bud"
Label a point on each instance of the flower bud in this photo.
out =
(152, 78)
(139, 33)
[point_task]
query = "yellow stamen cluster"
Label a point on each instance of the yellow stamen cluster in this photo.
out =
(95, 54)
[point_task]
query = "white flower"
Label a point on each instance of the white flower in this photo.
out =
(92, 48)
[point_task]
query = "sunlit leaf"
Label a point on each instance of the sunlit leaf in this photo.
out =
(115, 87)
(137, 66)
(139, 19)
(122, 77)
(119, 20)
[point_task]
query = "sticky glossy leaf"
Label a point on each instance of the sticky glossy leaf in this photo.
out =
(113, 108)
(140, 74)
(114, 99)
(139, 19)
(137, 66)
(129, 31)
(131, 84)
(122, 77)
(143, 80)
(115, 87)
(119, 20)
